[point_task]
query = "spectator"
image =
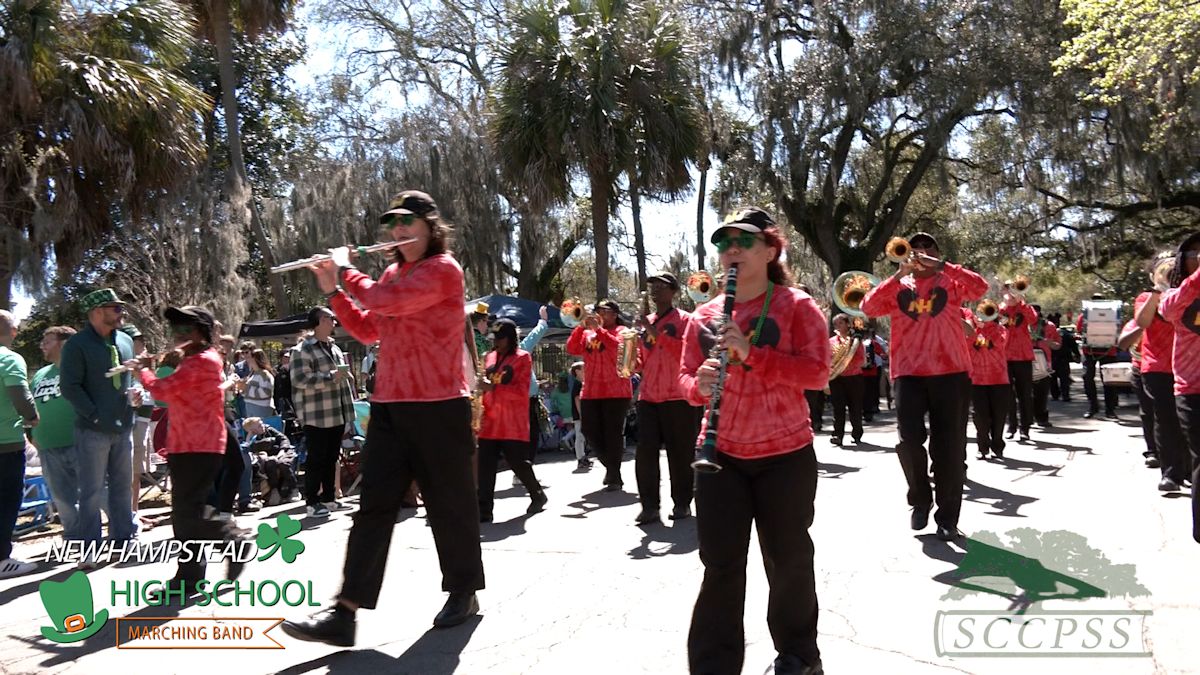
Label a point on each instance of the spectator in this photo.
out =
(577, 418)
(260, 386)
(283, 385)
(17, 411)
(55, 439)
(141, 424)
(103, 416)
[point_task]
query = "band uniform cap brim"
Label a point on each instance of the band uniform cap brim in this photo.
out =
(666, 278)
(744, 227)
(189, 314)
(929, 240)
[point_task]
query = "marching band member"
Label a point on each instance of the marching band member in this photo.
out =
(606, 394)
(777, 349)
(1019, 318)
(1045, 338)
(846, 389)
(505, 426)
(1158, 386)
(665, 417)
(1181, 306)
(929, 367)
(420, 415)
(991, 392)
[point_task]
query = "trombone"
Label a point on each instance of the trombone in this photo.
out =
(322, 257)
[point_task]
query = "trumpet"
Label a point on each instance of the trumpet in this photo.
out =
(358, 250)
(1018, 286)
(573, 312)
(898, 250)
(1160, 274)
(987, 310)
(701, 287)
(851, 288)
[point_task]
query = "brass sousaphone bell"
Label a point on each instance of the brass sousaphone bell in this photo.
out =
(849, 290)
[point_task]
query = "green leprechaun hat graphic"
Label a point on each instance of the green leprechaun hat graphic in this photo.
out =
(69, 605)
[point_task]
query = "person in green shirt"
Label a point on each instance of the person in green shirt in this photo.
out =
(54, 438)
(16, 413)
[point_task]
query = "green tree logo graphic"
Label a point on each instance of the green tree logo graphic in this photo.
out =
(278, 538)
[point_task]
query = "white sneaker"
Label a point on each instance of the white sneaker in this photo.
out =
(317, 511)
(11, 567)
(334, 505)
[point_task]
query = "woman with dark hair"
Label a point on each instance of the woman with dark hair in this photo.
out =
(196, 439)
(420, 415)
(1181, 306)
(259, 387)
(777, 348)
(606, 395)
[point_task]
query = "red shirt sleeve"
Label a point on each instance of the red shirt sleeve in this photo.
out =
(405, 289)
(971, 286)
(1176, 300)
(356, 321)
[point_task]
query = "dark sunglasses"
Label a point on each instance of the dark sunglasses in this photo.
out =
(744, 240)
(401, 219)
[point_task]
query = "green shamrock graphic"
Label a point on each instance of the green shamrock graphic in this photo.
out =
(278, 538)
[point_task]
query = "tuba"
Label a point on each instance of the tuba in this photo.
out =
(1160, 274)
(850, 289)
(898, 250)
(701, 287)
(626, 352)
(843, 354)
(1018, 286)
(987, 310)
(572, 312)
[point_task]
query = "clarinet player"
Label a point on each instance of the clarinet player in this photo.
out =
(777, 348)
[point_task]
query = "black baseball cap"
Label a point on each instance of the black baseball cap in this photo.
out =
(750, 219)
(190, 314)
(315, 314)
(923, 240)
(666, 278)
(505, 328)
(409, 202)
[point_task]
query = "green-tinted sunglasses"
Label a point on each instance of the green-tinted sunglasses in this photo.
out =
(401, 219)
(743, 241)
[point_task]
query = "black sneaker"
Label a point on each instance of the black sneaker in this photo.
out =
(1010, 434)
(920, 517)
(648, 515)
(537, 502)
(1168, 485)
(333, 626)
(1024, 434)
(1152, 462)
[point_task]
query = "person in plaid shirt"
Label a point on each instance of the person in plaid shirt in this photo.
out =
(324, 402)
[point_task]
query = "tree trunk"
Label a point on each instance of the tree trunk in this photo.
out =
(701, 193)
(600, 196)
(223, 43)
(6, 278)
(639, 243)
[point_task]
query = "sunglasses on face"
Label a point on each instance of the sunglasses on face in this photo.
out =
(181, 329)
(744, 240)
(119, 309)
(401, 219)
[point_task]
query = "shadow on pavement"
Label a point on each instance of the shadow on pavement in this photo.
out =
(1004, 503)
(1030, 467)
(680, 538)
(829, 470)
(437, 652)
(504, 529)
(594, 501)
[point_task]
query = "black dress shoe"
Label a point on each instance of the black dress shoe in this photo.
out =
(681, 512)
(1010, 434)
(459, 607)
(648, 515)
(613, 487)
(920, 517)
(537, 502)
(947, 533)
(836, 440)
(1024, 434)
(983, 454)
(1153, 462)
(333, 626)
(1168, 485)
(790, 664)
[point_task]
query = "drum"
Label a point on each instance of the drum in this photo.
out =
(1116, 374)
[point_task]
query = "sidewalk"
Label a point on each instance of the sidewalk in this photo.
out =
(580, 589)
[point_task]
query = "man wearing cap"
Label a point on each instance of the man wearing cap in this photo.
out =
(606, 394)
(324, 405)
(665, 417)
(103, 415)
(930, 362)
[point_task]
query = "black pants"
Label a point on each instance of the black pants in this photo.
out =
(1146, 412)
(870, 394)
(990, 403)
(433, 443)
(1089, 385)
(1020, 374)
(324, 446)
(847, 392)
(1189, 419)
(1169, 439)
(816, 407)
(777, 495)
(12, 491)
(943, 397)
(232, 466)
(1041, 401)
(673, 425)
(604, 428)
(192, 477)
(1060, 379)
(535, 429)
(515, 453)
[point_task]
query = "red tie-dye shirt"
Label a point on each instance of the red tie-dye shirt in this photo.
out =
(599, 351)
(763, 409)
(1158, 339)
(989, 358)
(857, 362)
(415, 311)
(1020, 317)
(927, 329)
(1181, 306)
(1049, 341)
(506, 407)
(197, 403)
(660, 356)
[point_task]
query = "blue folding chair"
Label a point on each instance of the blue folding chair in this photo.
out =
(35, 505)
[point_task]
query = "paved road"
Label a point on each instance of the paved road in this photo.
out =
(580, 589)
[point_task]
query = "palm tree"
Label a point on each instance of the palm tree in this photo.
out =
(599, 88)
(96, 122)
(216, 24)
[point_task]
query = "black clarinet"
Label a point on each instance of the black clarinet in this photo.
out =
(706, 454)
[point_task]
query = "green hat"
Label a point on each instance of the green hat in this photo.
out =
(131, 330)
(104, 296)
(69, 605)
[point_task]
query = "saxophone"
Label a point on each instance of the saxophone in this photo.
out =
(627, 347)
